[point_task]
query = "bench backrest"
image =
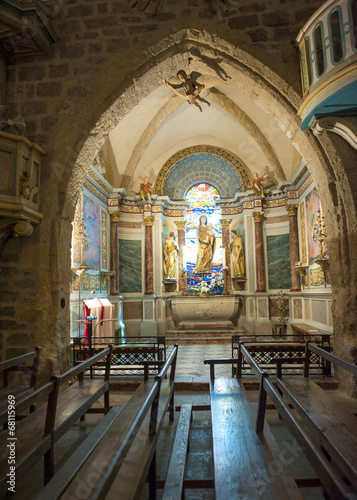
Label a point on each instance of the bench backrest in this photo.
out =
(16, 364)
(79, 370)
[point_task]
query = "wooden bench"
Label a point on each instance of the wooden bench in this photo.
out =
(175, 474)
(17, 390)
(329, 475)
(311, 333)
(37, 433)
(242, 456)
(123, 454)
(330, 425)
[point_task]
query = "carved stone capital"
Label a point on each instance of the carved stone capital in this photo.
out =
(114, 216)
(258, 216)
(225, 223)
(149, 220)
(180, 224)
(292, 209)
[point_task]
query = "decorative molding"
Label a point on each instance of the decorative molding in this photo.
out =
(225, 223)
(114, 216)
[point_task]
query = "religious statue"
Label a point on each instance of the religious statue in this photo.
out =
(237, 251)
(25, 180)
(170, 256)
(206, 245)
(190, 86)
(145, 190)
(257, 184)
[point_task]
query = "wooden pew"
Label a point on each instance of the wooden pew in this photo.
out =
(311, 333)
(124, 453)
(18, 364)
(329, 476)
(243, 458)
(175, 475)
(37, 433)
(330, 425)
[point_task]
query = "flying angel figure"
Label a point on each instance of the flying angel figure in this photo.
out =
(191, 87)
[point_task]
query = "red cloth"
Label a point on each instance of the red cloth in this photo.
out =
(86, 312)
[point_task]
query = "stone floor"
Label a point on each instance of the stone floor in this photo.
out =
(191, 372)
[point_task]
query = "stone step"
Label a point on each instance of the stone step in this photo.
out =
(207, 336)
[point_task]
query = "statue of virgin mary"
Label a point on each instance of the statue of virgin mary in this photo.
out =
(206, 244)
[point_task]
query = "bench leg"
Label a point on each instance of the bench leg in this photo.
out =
(49, 464)
(106, 402)
(152, 478)
(171, 408)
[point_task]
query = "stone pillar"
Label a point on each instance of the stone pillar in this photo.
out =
(149, 271)
(114, 252)
(225, 223)
(259, 253)
(294, 247)
(181, 242)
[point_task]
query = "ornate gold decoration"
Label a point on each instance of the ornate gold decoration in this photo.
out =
(149, 220)
(114, 216)
(174, 213)
(305, 185)
(258, 216)
(131, 209)
(317, 277)
(303, 232)
(292, 210)
(91, 282)
(282, 303)
(95, 190)
(160, 179)
(104, 241)
(180, 224)
(225, 223)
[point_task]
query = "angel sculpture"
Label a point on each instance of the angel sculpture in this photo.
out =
(191, 87)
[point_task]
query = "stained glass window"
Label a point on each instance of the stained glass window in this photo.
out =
(202, 201)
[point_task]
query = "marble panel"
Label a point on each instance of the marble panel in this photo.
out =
(251, 308)
(307, 308)
(159, 309)
(130, 264)
(148, 310)
(329, 312)
(132, 310)
(318, 309)
(262, 308)
(278, 250)
(297, 308)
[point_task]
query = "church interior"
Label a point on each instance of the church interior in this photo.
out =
(178, 181)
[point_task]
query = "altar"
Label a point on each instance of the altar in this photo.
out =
(212, 311)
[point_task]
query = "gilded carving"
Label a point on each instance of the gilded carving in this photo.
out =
(225, 223)
(258, 216)
(90, 282)
(317, 277)
(76, 234)
(149, 220)
(94, 190)
(104, 241)
(303, 233)
(292, 209)
(174, 213)
(180, 224)
(114, 216)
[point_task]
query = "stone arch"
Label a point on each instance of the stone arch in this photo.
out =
(329, 159)
(209, 164)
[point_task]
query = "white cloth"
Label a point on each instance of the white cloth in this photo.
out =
(96, 306)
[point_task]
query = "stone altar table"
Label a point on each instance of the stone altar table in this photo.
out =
(221, 311)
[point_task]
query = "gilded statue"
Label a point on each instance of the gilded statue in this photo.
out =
(170, 256)
(257, 184)
(145, 190)
(191, 87)
(206, 245)
(237, 251)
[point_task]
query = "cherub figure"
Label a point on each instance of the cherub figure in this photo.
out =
(145, 190)
(257, 184)
(191, 87)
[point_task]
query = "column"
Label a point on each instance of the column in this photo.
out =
(149, 271)
(114, 252)
(181, 242)
(225, 223)
(259, 253)
(294, 247)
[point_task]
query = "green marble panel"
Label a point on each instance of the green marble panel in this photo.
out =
(278, 249)
(130, 264)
